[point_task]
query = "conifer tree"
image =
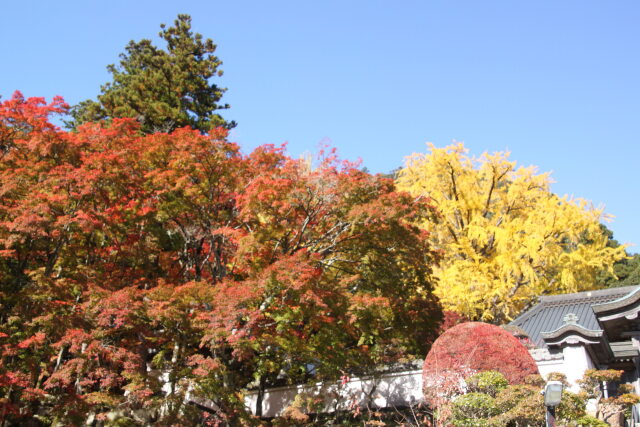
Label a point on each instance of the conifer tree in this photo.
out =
(164, 89)
(626, 271)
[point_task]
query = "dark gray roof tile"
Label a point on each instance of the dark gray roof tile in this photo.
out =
(550, 311)
(623, 349)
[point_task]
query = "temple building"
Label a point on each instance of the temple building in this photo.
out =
(571, 333)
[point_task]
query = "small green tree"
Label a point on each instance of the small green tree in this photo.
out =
(164, 89)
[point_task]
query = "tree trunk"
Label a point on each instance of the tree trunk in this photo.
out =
(260, 397)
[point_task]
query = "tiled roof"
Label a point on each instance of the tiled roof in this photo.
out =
(549, 313)
(624, 349)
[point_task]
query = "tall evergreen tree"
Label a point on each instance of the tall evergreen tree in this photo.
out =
(626, 272)
(163, 88)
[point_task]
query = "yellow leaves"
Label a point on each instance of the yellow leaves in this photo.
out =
(102, 398)
(507, 239)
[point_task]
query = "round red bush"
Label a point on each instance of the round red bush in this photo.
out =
(472, 347)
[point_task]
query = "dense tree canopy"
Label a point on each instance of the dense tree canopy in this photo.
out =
(163, 89)
(626, 272)
(135, 266)
(506, 238)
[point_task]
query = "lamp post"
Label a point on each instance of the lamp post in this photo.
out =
(552, 396)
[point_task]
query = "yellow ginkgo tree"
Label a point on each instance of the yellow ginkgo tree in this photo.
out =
(506, 238)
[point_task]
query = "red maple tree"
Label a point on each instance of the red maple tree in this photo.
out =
(138, 272)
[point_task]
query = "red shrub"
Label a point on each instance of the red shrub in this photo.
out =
(473, 347)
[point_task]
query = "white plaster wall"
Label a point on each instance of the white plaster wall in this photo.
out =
(573, 362)
(576, 362)
(546, 367)
(397, 389)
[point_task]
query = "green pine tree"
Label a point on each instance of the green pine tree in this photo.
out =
(626, 271)
(162, 88)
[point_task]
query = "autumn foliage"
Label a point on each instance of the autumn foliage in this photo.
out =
(141, 272)
(506, 238)
(468, 348)
(477, 347)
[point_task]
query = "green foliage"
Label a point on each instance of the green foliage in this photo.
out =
(487, 382)
(492, 402)
(589, 421)
(626, 272)
(572, 406)
(520, 405)
(473, 409)
(535, 380)
(163, 89)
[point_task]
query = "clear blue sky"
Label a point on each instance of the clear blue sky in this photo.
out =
(555, 82)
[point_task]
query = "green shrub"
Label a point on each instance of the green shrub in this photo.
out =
(519, 405)
(572, 406)
(473, 409)
(487, 382)
(589, 421)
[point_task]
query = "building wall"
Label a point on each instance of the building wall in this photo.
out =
(403, 388)
(399, 389)
(576, 362)
(572, 362)
(388, 390)
(545, 367)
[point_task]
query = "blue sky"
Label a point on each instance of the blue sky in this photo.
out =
(555, 82)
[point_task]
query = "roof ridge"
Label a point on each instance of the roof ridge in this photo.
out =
(589, 295)
(592, 300)
(527, 314)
